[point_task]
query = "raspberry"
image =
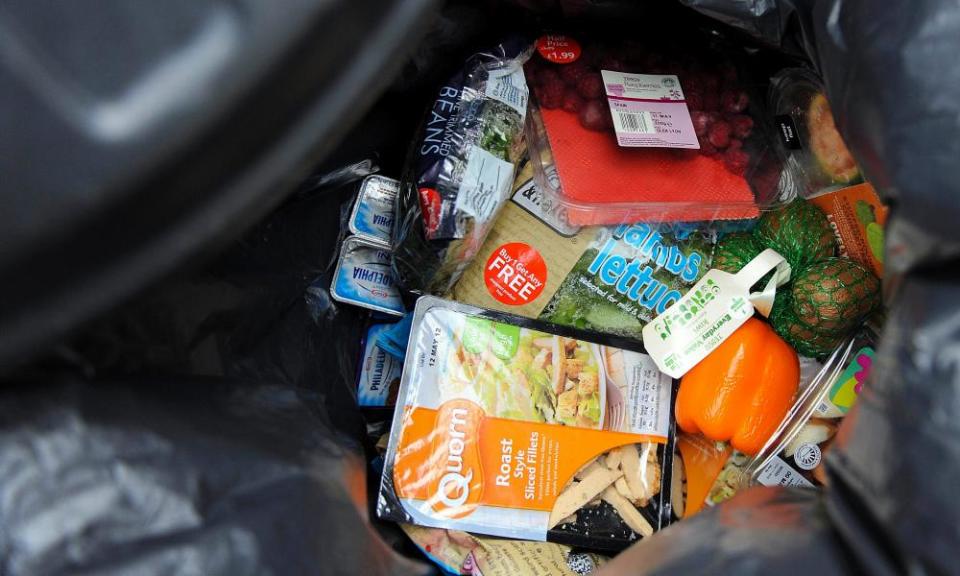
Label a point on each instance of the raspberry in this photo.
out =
(672, 67)
(711, 102)
(719, 134)
(572, 73)
(692, 84)
(548, 76)
(595, 115)
(701, 122)
(694, 101)
(711, 83)
(707, 149)
(653, 61)
(736, 161)
(742, 125)
(610, 62)
(735, 144)
(590, 86)
(734, 102)
(572, 102)
(549, 95)
(765, 179)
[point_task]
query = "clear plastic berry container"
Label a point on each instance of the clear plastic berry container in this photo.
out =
(728, 171)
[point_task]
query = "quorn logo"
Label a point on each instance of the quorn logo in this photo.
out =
(455, 459)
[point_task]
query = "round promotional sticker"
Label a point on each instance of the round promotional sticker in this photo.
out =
(558, 49)
(515, 274)
(807, 456)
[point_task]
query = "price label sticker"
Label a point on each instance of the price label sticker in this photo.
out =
(558, 49)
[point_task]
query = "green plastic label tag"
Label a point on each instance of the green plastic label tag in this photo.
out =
(710, 312)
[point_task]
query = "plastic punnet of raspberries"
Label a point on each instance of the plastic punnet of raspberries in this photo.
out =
(834, 295)
(805, 340)
(735, 251)
(799, 231)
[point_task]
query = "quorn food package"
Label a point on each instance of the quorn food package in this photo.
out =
(511, 427)
(460, 170)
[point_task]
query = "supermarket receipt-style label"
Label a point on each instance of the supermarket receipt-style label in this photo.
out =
(686, 332)
(649, 111)
(647, 397)
(486, 184)
(509, 86)
(778, 473)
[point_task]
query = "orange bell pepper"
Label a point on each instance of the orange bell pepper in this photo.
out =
(742, 390)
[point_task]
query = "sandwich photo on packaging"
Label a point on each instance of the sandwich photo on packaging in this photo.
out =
(511, 427)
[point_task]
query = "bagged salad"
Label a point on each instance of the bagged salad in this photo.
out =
(610, 279)
(510, 427)
(460, 170)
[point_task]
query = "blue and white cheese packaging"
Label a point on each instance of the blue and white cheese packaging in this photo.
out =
(365, 278)
(373, 213)
(379, 380)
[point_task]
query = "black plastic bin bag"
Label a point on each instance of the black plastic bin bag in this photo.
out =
(210, 426)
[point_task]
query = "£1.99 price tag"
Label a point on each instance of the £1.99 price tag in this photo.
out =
(558, 49)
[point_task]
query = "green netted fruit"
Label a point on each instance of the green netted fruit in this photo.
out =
(834, 295)
(735, 251)
(799, 231)
(806, 341)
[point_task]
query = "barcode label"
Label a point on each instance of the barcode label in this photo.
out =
(510, 87)
(649, 111)
(636, 122)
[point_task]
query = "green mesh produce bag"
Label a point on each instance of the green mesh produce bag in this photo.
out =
(800, 232)
(806, 341)
(834, 295)
(735, 251)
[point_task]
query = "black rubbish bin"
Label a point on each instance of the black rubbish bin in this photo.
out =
(177, 390)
